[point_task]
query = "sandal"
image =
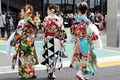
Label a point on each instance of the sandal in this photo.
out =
(51, 76)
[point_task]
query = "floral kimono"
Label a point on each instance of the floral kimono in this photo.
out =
(25, 47)
(52, 44)
(84, 58)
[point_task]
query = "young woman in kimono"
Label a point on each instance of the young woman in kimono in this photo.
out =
(24, 44)
(84, 59)
(52, 42)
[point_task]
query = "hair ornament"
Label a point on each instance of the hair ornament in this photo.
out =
(53, 11)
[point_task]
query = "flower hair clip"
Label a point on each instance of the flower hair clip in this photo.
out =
(53, 11)
(27, 10)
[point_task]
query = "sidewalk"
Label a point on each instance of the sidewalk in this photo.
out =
(105, 58)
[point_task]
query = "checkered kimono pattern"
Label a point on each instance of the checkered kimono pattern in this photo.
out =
(51, 55)
(52, 44)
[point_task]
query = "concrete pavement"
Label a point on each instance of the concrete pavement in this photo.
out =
(109, 73)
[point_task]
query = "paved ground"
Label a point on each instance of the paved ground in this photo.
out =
(103, 55)
(109, 73)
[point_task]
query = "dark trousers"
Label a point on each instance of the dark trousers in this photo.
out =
(8, 33)
(2, 32)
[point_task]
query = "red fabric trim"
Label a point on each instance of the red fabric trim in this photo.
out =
(49, 34)
(78, 77)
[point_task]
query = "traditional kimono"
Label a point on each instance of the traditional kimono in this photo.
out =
(52, 44)
(25, 48)
(84, 58)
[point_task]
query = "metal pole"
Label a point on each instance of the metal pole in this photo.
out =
(0, 7)
(61, 4)
(43, 9)
(118, 23)
(95, 6)
(113, 23)
(61, 1)
(7, 5)
(88, 1)
(47, 1)
(65, 5)
(101, 6)
(26, 2)
(74, 9)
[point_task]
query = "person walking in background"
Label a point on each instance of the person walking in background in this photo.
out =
(92, 17)
(2, 24)
(37, 19)
(99, 21)
(9, 24)
(24, 44)
(52, 42)
(84, 58)
(10, 42)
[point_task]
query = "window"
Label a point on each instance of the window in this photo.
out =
(70, 1)
(91, 4)
(45, 1)
(77, 1)
(55, 1)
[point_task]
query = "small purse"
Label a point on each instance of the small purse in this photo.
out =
(12, 43)
(63, 53)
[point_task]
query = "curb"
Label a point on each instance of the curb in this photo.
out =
(3, 41)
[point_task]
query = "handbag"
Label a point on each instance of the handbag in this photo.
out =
(12, 43)
(63, 53)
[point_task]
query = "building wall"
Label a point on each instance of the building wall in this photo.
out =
(18, 4)
(67, 6)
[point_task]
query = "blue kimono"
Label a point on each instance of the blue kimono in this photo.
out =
(84, 58)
